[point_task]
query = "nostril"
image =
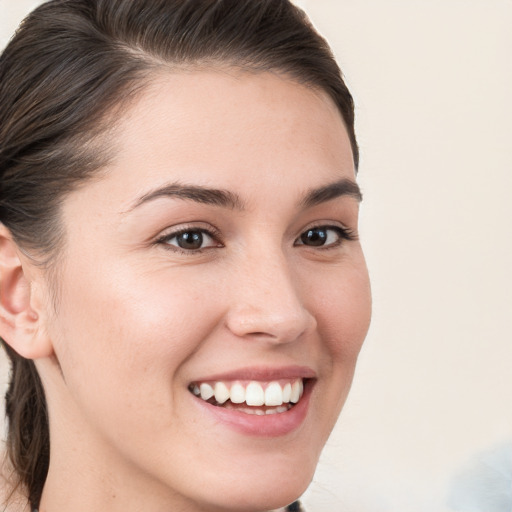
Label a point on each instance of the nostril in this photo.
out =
(269, 309)
(276, 327)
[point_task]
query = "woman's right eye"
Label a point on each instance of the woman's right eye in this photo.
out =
(190, 240)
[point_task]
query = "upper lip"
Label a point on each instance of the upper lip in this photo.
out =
(260, 373)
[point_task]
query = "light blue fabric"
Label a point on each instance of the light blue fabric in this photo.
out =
(485, 483)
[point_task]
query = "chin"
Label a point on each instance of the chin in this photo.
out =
(266, 485)
(251, 497)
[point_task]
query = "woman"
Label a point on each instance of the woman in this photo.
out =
(184, 295)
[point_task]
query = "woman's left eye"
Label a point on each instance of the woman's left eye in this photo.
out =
(190, 240)
(324, 236)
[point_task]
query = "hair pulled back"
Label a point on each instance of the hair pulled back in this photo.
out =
(66, 76)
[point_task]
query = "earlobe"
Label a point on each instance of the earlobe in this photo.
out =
(21, 324)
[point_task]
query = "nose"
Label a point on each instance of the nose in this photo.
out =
(267, 303)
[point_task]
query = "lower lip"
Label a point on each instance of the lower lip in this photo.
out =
(268, 425)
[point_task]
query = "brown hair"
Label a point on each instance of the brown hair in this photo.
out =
(68, 67)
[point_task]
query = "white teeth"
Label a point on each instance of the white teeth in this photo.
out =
(237, 393)
(276, 395)
(221, 392)
(261, 412)
(254, 394)
(295, 395)
(206, 391)
(273, 394)
(287, 393)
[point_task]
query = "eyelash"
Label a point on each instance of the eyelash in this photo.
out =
(343, 233)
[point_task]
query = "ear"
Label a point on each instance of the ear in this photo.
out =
(22, 312)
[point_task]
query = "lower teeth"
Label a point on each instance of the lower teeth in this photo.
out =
(256, 410)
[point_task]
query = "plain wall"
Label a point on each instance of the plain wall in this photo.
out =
(431, 404)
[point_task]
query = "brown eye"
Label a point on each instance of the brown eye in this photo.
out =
(314, 237)
(190, 240)
(325, 236)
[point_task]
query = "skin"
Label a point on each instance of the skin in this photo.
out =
(137, 320)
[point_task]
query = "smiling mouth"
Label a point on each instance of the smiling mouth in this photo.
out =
(251, 397)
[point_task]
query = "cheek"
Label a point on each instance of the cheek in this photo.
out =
(341, 300)
(124, 334)
(343, 312)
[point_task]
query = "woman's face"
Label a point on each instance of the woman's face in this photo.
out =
(218, 252)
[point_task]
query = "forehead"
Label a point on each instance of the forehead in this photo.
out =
(228, 129)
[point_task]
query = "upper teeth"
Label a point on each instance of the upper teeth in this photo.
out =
(252, 393)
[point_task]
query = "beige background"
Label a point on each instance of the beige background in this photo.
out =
(432, 397)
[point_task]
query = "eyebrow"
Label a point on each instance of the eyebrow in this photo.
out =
(199, 194)
(228, 199)
(344, 187)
